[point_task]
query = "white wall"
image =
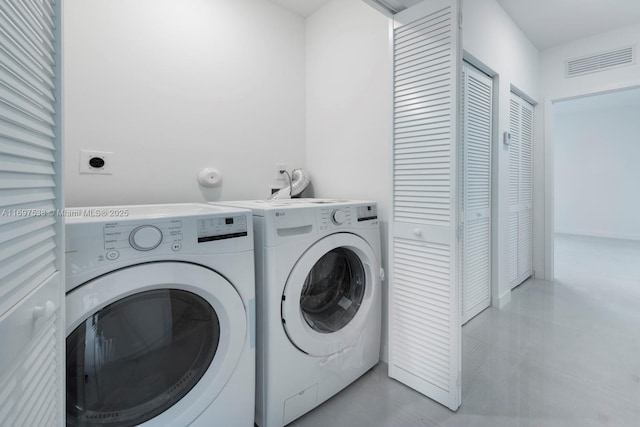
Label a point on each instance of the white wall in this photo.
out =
(553, 83)
(349, 108)
(554, 86)
(499, 47)
(596, 172)
(173, 86)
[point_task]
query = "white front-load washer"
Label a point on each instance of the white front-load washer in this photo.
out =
(160, 315)
(318, 301)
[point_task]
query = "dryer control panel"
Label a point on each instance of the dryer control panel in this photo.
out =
(335, 217)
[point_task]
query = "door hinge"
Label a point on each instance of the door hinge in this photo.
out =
(460, 231)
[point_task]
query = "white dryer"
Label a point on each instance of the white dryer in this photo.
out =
(160, 316)
(318, 290)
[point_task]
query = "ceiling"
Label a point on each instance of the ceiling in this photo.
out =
(629, 98)
(302, 7)
(549, 23)
(546, 23)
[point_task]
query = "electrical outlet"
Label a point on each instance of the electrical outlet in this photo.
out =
(279, 167)
(96, 162)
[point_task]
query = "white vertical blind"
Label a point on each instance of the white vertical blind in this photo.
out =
(520, 263)
(477, 96)
(31, 363)
(424, 347)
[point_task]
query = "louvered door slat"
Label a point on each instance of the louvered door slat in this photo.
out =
(26, 166)
(13, 132)
(21, 101)
(14, 115)
(16, 31)
(15, 73)
(12, 201)
(18, 149)
(18, 91)
(424, 295)
(36, 13)
(477, 94)
(34, 28)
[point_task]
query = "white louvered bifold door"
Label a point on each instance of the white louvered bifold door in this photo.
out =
(31, 291)
(477, 94)
(424, 301)
(520, 264)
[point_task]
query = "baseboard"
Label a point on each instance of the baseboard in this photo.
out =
(384, 354)
(502, 300)
(621, 236)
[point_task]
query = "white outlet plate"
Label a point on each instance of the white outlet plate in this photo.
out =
(281, 176)
(87, 155)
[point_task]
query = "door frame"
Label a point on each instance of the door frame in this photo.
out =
(549, 170)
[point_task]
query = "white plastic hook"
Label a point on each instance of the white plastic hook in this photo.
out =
(210, 177)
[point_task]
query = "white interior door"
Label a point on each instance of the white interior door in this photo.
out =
(31, 242)
(424, 297)
(477, 95)
(520, 265)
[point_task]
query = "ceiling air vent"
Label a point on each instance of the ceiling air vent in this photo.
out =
(601, 62)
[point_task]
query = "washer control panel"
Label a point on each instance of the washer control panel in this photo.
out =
(141, 237)
(145, 237)
(210, 229)
(367, 212)
(156, 235)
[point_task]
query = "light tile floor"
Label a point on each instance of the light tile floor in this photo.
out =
(560, 354)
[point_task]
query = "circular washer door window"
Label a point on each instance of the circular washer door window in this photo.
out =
(329, 294)
(136, 356)
(333, 291)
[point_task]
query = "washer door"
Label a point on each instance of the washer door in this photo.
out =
(153, 343)
(329, 294)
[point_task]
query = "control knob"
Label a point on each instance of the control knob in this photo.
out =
(145, 238)
(338, 217)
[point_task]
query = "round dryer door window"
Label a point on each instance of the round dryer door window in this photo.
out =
(329, 294)
(138, 344)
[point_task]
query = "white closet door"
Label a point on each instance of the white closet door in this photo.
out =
(424, 303)
(477, 95)
(31, 245)
(520, 265)
(525, 225)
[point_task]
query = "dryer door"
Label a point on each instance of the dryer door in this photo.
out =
(153, 343)
(329, 294)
